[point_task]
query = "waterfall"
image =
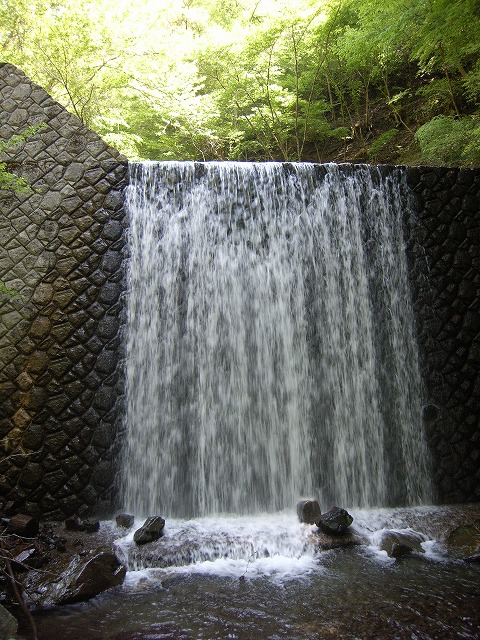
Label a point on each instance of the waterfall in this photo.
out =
(270, 340)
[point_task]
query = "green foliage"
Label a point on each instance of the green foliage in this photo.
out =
(7, 292)
(256, 79)
(384, 140)
(445, 140)
(11, 182)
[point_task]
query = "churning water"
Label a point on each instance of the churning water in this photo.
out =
(271, 351)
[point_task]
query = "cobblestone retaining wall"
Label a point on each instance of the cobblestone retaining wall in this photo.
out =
(61, 252)
(445, 259)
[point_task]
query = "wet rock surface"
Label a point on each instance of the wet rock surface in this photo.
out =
(325, 542)
(308, 511)
(125, 520)
(335, 521)
(75, 578)
(464, 541)
(151, 530)
(61, 566)
(398, 543)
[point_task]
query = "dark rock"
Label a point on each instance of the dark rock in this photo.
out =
(75, 579)
(10, 507)
(475, 559)
(326, 542)
(23, 525)
(92, 527)
(8, 624)
(464, 541)
(113, 229)
(431, 414)
(335, 521)
(151, 530)
(74, 524)
(400, 542)
(308, 511)
(125, 520)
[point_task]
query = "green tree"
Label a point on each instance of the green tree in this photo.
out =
(257, 79)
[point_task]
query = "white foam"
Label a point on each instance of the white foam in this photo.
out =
(278, 568)
(275, 546)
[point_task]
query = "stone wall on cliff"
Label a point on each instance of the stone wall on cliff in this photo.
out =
(60, 342)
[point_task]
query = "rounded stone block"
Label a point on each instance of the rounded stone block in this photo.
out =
(40, 327)
(32, 476)
(43, 293)
(21, 419)
(74, 172)
(38, 362)
(112, 230)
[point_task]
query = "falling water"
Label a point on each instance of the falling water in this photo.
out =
(271, 351)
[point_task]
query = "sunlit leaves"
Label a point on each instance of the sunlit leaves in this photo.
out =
(253, 79)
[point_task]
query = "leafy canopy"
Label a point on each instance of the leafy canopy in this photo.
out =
(260, 79)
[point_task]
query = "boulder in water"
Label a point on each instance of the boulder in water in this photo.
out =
(308, 511)
(334, 522)
(125, 520)
(399, 542)
(464, 541)
(327, 542)
(151, 530)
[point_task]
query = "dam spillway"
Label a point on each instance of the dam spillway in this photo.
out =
(270, 340)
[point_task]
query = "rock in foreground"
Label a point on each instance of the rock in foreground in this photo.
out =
(151, 530)
(75, 579)
(334, 522)
(8, 624)
(399, 542)
(125, 520)
(464, 541)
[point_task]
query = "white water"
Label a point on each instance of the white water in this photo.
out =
(271, 351)
(274, 545)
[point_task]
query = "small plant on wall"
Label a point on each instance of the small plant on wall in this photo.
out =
(9, 181)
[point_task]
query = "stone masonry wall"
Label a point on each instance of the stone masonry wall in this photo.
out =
(445, 260)
(61, 251)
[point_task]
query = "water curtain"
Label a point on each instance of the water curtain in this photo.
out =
(271, 350)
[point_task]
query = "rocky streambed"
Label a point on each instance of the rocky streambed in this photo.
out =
(58, 564)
